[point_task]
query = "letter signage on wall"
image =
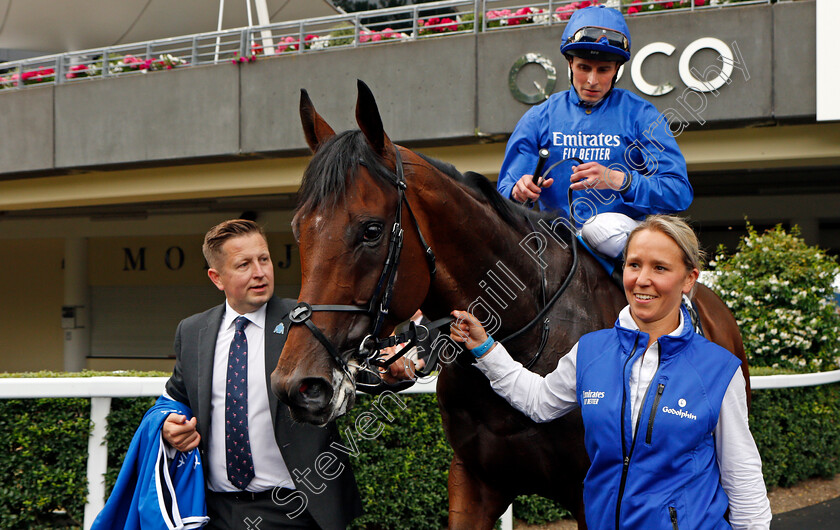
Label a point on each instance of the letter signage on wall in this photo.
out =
(710, 79)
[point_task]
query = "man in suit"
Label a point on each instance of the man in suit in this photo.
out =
(262, 469)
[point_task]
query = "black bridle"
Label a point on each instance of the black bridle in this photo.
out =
(380, 303)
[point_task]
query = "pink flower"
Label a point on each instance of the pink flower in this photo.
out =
(633, 9)
(288, 43)
(364, 36)
(699, 3)
(564, 12)
(78, 69)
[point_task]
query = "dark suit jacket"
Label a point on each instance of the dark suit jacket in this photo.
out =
(300, 444)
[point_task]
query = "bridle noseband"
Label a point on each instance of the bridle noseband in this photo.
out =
(379, 305)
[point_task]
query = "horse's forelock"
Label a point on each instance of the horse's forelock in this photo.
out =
(333, 168)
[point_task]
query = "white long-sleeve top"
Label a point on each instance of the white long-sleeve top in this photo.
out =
(547, 398)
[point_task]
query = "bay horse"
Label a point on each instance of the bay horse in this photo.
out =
(357, 186)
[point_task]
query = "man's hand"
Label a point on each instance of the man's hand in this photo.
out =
(403, 369)
(180, 433)
(592, 175)
(526, 190)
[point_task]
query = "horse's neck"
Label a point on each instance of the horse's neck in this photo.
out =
(484, 263)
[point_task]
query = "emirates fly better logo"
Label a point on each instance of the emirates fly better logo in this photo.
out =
(591, 397)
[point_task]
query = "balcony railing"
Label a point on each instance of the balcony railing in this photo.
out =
(367, 28)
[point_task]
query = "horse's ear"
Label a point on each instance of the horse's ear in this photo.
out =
(367, 116)
(315, 128)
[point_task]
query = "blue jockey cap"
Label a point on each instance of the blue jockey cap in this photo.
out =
(597, 32)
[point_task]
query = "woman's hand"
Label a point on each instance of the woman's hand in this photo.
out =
(467, 329)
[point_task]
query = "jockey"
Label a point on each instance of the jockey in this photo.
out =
(631, 165)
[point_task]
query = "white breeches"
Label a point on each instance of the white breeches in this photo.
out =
(607, 232)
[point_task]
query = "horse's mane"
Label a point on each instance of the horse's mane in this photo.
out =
(334, 167)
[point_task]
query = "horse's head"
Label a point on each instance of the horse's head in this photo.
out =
(351, 197)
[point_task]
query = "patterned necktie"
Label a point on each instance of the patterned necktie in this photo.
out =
(240, 465)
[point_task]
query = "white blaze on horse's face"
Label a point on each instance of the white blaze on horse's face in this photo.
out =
(344, 393)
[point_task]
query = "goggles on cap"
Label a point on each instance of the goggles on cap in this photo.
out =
(600, 35)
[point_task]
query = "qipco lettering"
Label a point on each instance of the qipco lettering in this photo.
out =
(707, 81)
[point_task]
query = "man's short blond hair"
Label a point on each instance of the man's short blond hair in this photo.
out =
(215, 238)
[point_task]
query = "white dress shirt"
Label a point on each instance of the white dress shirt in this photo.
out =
(547, 398)
(269, 468)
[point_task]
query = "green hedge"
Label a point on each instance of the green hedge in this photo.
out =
(401, 473)
(43, 462)
(797, 431)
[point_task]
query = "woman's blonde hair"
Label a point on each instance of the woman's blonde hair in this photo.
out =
(677, 229)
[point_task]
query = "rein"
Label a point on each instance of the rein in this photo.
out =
(560, 291)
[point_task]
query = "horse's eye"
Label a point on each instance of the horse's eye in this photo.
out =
(372, 233)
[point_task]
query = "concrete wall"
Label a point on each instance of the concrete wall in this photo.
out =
(28, 129)
(186, 114)
(440, 90)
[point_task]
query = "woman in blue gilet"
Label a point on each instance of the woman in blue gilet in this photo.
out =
(665, 410)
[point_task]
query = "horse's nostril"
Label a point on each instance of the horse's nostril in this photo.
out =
(314, 392)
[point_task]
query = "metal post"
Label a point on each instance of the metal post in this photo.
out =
(300, 37)
(194, 60)
(357, 24)
(264, 20)
(507, 518)
(59, 69)
(97, 462)
(218, 29)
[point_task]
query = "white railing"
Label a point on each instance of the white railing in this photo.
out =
(101, 390)
(366, 28)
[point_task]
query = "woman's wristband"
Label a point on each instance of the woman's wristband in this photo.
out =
(478, 351)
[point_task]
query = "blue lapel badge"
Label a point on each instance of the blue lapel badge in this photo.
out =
(280, 329)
